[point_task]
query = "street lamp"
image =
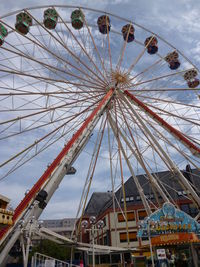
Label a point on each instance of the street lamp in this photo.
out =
(99, 225)
(92, 222)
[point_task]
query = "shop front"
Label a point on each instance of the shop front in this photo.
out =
(179, 249)
(173, 237)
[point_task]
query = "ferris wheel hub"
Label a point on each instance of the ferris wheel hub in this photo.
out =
(120, 79)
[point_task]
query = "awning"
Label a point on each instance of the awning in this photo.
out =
(174, 238)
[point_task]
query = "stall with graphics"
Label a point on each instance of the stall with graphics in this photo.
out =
(173, 235)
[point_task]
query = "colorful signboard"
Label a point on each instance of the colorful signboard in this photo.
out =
(175, 238)
(168, 220)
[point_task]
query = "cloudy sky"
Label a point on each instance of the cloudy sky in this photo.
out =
(177, 21)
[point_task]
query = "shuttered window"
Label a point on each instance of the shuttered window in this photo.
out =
(132, 237)
(142, 214)
(130, 216)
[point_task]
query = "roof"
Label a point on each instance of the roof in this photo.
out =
(5, 199)
(167, 180)
(97, 201)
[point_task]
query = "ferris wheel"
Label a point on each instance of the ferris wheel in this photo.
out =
(94, 82)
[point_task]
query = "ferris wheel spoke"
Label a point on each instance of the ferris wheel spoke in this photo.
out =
(112, 175)
(95, 47)
(169, 101)
(137, 154)
(162, 90)
(182, 153)
(123, 49)
(46, 78)
(45, 65)
(109, 48)
(160, 77)
(140, 56)
(173, 167)
(140, 190)
(19, 88)
(51, 121)
(152, 142)
(46, 124)
(92, 166)
(190, 119)
(66, 48)
(155, 64)
(31, 85)
(48, 109)
(194, 149)
(49, 93)
(37, 151)
(84, 49)
(177, 148)
(42, 138)
(80, 55)
(38, 44)
(69, 64)
(121, 171)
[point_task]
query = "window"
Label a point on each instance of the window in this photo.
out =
(142, 214)
(138, 197)
(190, 209)
(128, 199)
(181, 193)
(193, 210)
(105, 240)
(104, 221)
(130, 216)
(132, 237)
(145, 238)
(185, 208)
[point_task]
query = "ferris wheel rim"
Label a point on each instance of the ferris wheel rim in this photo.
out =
(108, 13)
(134, 85)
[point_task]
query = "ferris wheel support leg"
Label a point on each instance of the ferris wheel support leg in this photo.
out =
(52, 177)
(140, 190)
(177, 134)
(189, 189)
(151, 178)
(14, 235)
(23, 249)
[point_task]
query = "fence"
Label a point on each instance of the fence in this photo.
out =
(41, 260)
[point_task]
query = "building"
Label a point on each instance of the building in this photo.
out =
(5, 214)
(62, 226)
(114, 232)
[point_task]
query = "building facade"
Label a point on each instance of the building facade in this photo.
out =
(63, 227)
(6, 214)
(114, 232)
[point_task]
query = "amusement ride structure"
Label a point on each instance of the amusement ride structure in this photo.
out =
(97, 83)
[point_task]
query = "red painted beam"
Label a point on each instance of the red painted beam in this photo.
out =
(167, 126)
(36, 188)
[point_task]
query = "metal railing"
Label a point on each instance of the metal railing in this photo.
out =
(41, 260)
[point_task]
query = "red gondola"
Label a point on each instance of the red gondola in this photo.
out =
(128, 33)
(151, 45)
(172, 59)
(103, 23)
